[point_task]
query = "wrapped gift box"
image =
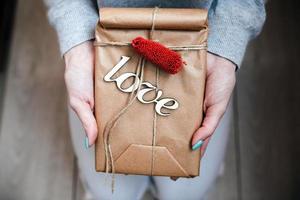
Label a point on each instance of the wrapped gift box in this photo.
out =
(146, 117)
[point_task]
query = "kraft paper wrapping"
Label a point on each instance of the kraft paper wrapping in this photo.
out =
(141, 143)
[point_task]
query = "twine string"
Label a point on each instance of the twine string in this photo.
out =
(189, 47)
(155, 11)
(113, 122)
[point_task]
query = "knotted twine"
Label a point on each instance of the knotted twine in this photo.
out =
(109, 161)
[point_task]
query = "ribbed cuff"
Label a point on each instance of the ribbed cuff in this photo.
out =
(228, 39)
(74, 23)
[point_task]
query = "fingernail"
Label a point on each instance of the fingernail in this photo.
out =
(86, 142)
(197, 145)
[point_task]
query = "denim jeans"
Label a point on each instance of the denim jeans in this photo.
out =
(130, 187)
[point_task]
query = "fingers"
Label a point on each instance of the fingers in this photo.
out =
(210, 122)
(84, 110)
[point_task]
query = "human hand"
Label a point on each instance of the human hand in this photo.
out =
(79, 78)
(220, 81)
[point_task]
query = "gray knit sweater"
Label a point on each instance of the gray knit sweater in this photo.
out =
(232, 22)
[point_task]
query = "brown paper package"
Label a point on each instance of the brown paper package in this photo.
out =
(142, 142)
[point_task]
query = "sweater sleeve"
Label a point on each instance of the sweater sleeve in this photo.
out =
(74, 21)
(232, 24)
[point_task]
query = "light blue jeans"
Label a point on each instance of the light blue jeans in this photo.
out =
(133, 187)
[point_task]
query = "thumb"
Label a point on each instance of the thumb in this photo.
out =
(86, 116)
(210, 122)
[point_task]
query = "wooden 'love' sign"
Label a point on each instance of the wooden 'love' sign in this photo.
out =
(146, 87)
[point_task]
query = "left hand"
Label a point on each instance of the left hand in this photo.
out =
(220, 81)
(79, 78)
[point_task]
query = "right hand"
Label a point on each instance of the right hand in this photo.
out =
(79, 78)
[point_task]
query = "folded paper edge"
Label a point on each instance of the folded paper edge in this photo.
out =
(183, 172)
(186, 18)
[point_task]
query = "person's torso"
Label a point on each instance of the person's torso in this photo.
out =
(159, 3)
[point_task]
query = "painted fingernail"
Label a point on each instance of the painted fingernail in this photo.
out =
(197, 145)
(86, 142)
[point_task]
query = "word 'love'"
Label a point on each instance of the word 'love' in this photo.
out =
(160, 103)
